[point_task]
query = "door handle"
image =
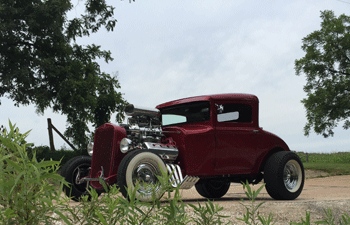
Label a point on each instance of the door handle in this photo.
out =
(255, 131)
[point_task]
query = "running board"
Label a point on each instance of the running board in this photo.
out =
(177, 179)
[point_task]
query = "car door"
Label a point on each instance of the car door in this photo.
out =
(236, 138)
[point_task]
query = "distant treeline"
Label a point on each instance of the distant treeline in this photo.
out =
(44, 152)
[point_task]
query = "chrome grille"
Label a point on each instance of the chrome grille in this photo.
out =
(177, 179)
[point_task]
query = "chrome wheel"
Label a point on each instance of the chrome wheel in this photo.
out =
(145, 174)
(139, 169)
(292, 175)
(284, 175)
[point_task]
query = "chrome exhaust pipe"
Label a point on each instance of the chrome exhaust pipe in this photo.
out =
(131, 110)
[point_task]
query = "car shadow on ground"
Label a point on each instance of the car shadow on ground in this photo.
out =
(223, 199)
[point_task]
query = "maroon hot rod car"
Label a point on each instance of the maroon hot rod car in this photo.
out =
(205, 141)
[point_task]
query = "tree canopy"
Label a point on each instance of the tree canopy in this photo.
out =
(42, 64)
(326, 65)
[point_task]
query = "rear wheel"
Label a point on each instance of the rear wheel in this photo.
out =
(284, 176)
(141, 168)
(212, 188)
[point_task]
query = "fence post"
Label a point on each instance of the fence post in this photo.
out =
(59, 133)
(52, 146)
(307, 157)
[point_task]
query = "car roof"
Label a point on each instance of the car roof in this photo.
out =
(230, 96)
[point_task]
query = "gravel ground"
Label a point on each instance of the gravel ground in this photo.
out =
(320, 192)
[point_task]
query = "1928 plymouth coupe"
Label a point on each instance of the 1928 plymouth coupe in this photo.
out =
(205, 141)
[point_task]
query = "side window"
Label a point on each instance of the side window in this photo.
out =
(236, 113)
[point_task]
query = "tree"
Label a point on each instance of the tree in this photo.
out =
(326, 65)
(42, 64)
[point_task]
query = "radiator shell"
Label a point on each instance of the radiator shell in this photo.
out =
(106, 153)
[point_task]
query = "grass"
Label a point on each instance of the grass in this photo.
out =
(339, 157)
(331, 168)
(332, 163)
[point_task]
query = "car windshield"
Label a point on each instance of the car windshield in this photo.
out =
(192, 112)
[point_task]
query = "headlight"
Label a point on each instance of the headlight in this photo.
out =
(90, 148)
(124, 145)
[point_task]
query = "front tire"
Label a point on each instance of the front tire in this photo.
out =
(212, 188)
(70, 171)
(284, 176)
(141, 168)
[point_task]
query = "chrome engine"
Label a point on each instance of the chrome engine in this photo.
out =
(144, 132)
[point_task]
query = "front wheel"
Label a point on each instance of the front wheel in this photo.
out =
(76, 168)
(284, 176)
(141, 168)
(212, 188)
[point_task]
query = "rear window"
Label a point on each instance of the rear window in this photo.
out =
(236, 113)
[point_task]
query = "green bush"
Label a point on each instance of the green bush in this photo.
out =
(28, 188)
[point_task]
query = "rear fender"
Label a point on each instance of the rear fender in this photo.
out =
(267, 156)
(269, 144)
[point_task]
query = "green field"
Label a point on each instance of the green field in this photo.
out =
(332, 163)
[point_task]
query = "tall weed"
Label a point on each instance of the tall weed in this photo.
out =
(28, 188)
(252, 216)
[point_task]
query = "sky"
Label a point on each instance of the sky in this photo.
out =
(167, 50)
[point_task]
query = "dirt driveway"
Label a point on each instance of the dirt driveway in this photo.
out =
(318, 194)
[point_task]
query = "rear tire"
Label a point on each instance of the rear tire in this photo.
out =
(141, 167)
(284, 176)
(212, 188)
